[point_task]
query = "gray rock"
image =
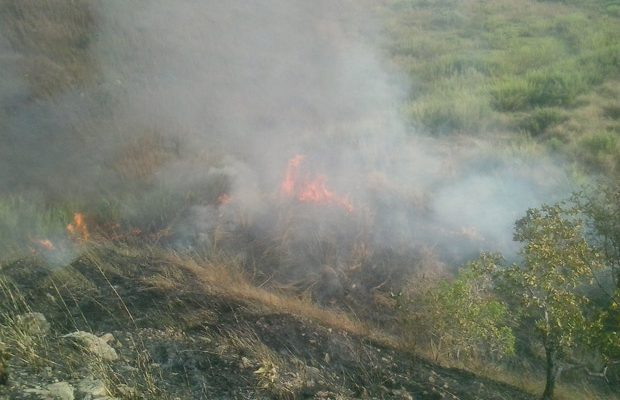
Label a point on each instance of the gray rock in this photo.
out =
(61, 391)
(108, 338)
(42, 394)
(127, 391)
(33, 323)
(92, 387)
(402, 394)
(94, 345)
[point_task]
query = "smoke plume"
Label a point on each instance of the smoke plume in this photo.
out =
(216, 97)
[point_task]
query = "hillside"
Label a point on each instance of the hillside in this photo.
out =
(185, 330)
(405, 199)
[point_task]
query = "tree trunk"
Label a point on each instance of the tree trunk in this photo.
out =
(552, 370)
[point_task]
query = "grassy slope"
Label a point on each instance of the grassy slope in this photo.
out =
(186, 328)
(543, 73)
(549, 70)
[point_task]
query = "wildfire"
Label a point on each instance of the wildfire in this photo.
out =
(287, 187)
(78, 229)
(309, 189)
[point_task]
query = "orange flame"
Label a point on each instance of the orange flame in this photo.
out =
(78, 229)
(316, 191)
(309, 190)
(287, 187)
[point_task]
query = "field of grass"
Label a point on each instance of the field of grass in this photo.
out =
(547, 70)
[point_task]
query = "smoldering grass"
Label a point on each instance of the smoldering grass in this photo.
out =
(227, 278)
(26, 220)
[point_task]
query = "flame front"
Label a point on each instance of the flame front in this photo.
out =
(309, 190)
(78, 229)
(287, 187)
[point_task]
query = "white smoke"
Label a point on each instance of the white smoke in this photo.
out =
(238, 88)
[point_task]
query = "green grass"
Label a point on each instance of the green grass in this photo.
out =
(481, 67)
(25, 220)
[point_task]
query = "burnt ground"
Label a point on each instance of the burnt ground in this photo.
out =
(177, 338)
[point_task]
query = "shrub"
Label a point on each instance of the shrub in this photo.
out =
(600, 150)
(541, 88)
(454, 106)
(601, 143)
(511, 94)
(540, 119)
(463, 319)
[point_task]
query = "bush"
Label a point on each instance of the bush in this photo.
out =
(601, 143)
(539, 120)
(459, 104)
(463, 319)
(542, 88)
(600, 150)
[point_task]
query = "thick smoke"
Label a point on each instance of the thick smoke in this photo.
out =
(231, 90)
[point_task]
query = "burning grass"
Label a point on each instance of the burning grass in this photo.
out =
(308, 236)
(306, 188)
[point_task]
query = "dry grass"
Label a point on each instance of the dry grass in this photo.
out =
(279, 376)
(227, 279)
(52, 36)
(524, 378)
(20, 338)
(34, 350)
(140, 160)
(563, 391)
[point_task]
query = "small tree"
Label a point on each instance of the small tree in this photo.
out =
(463, 318)
(600, 206)
(557, 262)
(601, 209)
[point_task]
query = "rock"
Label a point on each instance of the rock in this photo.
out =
(33, 323)
(60, 391)
(325, 395)
(94, 345)
(313, 373)
(127, 391)
(246, 363)
(42, 394)
(108, 338)
(402, 394)
(92, 387)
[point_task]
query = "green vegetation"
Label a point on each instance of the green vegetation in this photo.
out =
(24, 221)
(462, 319)
(482, 67)
(557, 289)
(556, 261)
